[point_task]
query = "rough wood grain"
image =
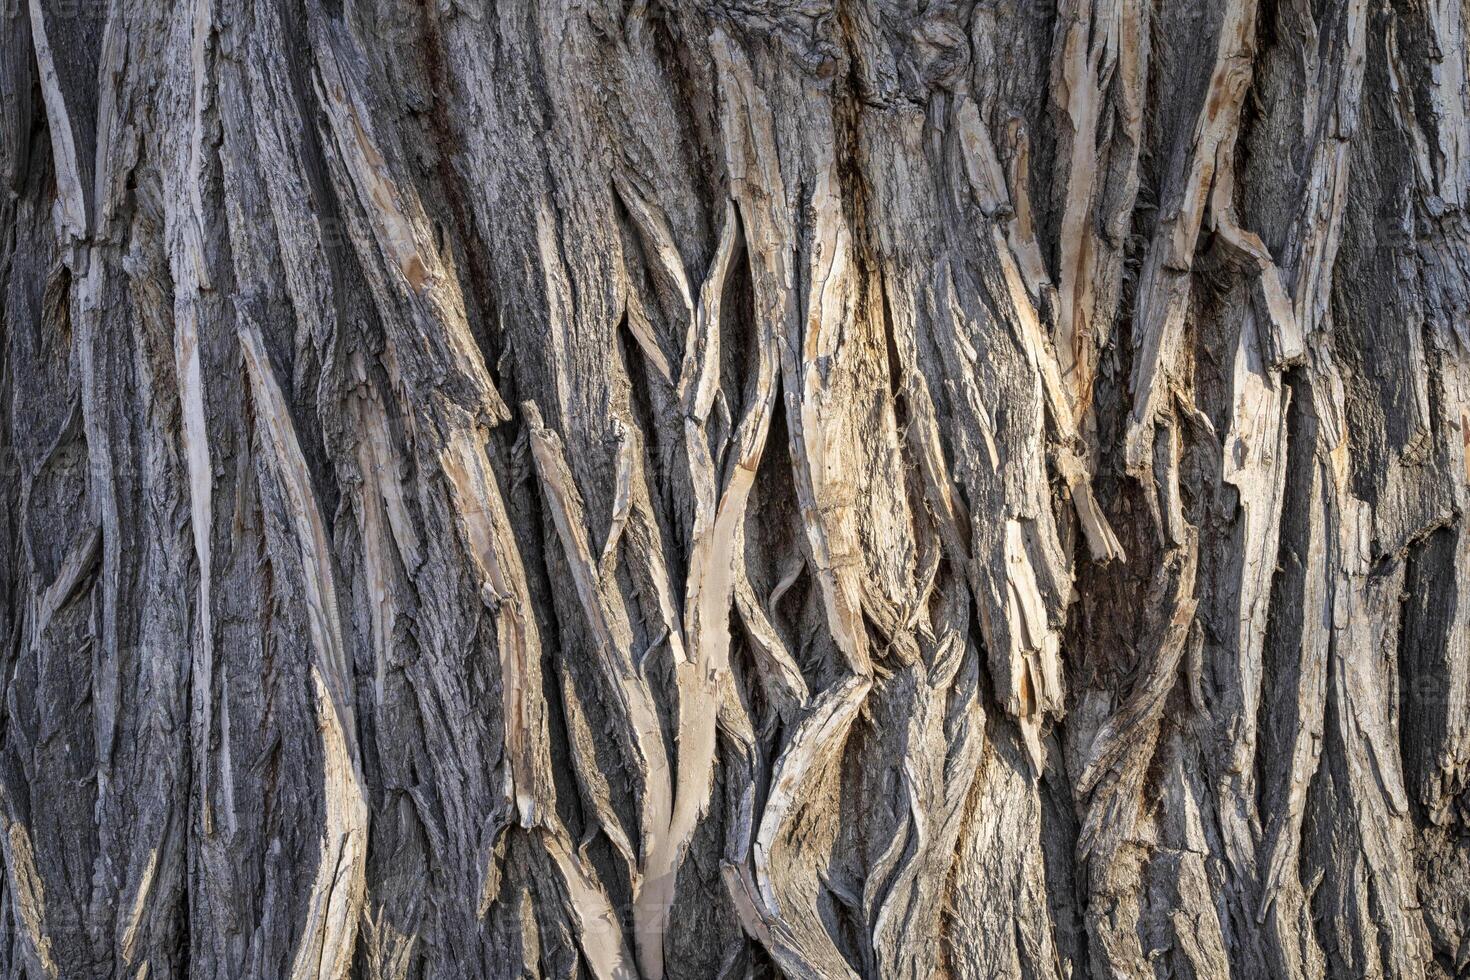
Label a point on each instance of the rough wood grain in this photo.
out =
(649, 489)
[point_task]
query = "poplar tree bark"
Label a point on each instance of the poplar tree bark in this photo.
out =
(735, 489)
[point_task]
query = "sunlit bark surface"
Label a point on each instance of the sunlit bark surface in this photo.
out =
(820, 489)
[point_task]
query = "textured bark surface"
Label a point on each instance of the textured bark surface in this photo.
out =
(819, 489)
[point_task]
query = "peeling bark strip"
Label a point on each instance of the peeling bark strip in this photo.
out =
(329, 929)
(688, 490)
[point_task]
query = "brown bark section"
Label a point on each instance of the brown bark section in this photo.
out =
(861, 489)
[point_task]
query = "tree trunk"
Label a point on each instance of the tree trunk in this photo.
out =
(822, 489)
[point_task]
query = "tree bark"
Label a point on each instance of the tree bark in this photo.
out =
(827, 489)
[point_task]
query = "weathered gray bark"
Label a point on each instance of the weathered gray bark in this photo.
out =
(824, 489)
